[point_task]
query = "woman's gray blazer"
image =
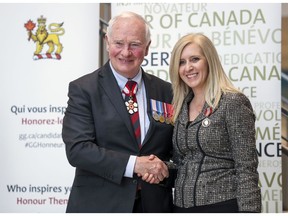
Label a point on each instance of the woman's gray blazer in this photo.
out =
(216, 155)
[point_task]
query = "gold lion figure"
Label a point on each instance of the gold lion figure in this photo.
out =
(42, 37)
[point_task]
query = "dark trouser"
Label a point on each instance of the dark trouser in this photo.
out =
(138, 203)
(229, 206)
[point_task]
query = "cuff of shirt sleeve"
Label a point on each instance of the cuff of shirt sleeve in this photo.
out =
(130, 166)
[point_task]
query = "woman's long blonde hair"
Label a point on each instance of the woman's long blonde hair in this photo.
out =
(217, 81)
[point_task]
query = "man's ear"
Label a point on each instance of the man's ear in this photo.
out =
(147, 48)
(107, 42)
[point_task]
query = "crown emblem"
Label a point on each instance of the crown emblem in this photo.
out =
(44, 37)
(41, 20)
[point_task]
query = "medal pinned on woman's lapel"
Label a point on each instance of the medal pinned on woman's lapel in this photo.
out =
(206, 122)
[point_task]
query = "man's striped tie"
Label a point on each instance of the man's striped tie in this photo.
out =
(130, 90)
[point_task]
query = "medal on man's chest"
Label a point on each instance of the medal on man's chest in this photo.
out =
(132, 106)
(131, 101)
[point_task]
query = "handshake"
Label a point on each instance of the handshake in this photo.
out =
(151, 169)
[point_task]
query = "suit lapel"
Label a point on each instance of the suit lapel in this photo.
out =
(111, 88)
(149, 88)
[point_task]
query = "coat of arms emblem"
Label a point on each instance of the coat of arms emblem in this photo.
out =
(42, 37)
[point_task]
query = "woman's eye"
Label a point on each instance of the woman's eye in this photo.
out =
(195, 59)
(181, 62)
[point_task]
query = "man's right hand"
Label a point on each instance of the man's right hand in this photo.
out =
(151, 169)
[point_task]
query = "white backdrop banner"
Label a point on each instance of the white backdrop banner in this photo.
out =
(248, 39)
(43, 48)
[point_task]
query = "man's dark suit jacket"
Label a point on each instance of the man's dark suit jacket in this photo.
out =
(99, 139)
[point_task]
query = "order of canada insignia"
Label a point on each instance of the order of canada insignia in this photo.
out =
(44, 38)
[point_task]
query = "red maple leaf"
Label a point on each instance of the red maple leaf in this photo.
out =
(29, 25)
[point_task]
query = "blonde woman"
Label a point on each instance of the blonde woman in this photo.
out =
(214, 134)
